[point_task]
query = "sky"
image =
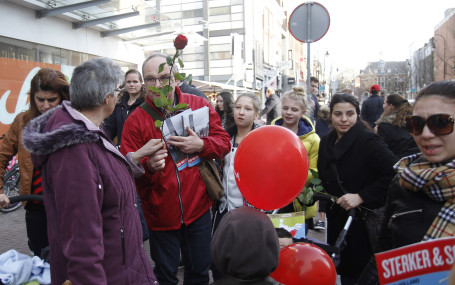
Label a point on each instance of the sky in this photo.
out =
(363, 31)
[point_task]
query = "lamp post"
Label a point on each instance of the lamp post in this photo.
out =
(325, 56)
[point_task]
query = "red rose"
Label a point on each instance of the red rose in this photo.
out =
(180, 42)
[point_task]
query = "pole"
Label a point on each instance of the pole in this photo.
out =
(308, 73)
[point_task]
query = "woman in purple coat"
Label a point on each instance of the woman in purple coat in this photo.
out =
(94, 231)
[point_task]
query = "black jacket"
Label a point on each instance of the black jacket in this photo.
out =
(272, 108)
(365, 166)
(414, 213)
(408, 216)
(114, 123)
(186, 88)
(399, 141)
(372, 109)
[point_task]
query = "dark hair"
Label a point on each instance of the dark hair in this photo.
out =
(46, 79)
(228, 103)
(348, 98)
(314, 79)
(402, 107)
(440, 88)
(283, 233)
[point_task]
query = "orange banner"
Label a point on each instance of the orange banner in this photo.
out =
(15, 78)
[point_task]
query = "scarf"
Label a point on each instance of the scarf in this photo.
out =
(437, 181)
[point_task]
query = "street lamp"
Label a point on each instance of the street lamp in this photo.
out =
(325, 55)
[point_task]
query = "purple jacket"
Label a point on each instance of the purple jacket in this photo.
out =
(93, 224)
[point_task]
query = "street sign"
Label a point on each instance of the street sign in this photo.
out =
(309, 22)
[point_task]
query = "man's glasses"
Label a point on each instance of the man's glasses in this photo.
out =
(153, 80)
(438, 124)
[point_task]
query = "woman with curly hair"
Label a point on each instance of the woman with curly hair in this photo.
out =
(391, 126)
(224, 108)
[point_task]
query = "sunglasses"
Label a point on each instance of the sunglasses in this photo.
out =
(438, 124)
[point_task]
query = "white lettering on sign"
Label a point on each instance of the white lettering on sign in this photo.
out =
(406, 263)
(450, 253)
(7, 118)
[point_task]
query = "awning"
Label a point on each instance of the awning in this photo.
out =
(216, 87)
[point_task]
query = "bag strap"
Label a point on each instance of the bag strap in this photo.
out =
(152, 112)
(334, 169)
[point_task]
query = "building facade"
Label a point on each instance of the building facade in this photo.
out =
(444, 48)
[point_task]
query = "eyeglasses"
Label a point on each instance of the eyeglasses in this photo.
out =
(438, 124)
(153, 80)
(116, 91)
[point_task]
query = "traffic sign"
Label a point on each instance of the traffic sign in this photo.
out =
(309, 22)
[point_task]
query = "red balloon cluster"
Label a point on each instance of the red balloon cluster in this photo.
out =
(271, 167)
(304, 263)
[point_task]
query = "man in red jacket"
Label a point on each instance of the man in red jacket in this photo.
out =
(175, 203)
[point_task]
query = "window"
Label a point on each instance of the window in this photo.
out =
(220, 10)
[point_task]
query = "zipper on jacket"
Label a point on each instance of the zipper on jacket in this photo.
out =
(122, 234)
(180, 196)
(394, 216)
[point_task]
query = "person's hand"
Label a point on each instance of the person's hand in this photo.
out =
(375, 129)
(349, 201)
(151, 147)
(190, 144)
(4, 201)
(156, 161)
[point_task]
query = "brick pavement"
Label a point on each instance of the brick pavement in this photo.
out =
(13, 235)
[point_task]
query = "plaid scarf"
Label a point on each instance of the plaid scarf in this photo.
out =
(437, 181)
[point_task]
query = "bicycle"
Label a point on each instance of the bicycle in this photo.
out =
(11, 184)
(11, 188)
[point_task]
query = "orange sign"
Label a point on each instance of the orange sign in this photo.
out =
(15, 78)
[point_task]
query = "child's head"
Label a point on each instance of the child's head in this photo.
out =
(293, 106)
(246, 109)
(284, 237)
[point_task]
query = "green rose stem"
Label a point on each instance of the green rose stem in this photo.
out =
(163, 102)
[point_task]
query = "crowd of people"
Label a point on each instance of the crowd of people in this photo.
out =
(94, 150)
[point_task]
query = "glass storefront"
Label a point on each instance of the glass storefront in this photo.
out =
(20, 61)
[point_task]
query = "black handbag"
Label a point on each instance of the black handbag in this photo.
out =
(372, 219)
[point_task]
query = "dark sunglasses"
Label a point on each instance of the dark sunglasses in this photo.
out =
(438, 124)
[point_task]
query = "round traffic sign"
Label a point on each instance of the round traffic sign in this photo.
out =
(309, 22)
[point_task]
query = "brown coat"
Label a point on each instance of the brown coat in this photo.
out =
(11, 145)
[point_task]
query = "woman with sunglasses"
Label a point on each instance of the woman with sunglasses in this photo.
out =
(391, 126)
(420, 199)
(356, 167)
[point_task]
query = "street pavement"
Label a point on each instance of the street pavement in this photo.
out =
(13, 235)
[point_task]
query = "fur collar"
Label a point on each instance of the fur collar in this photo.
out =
(388, 119)
(59, 136)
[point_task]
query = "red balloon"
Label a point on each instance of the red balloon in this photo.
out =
(304, 263)
(271, 167)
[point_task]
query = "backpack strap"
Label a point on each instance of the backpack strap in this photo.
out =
(152, 112)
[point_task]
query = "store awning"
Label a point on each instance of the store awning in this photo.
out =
(216, 87)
